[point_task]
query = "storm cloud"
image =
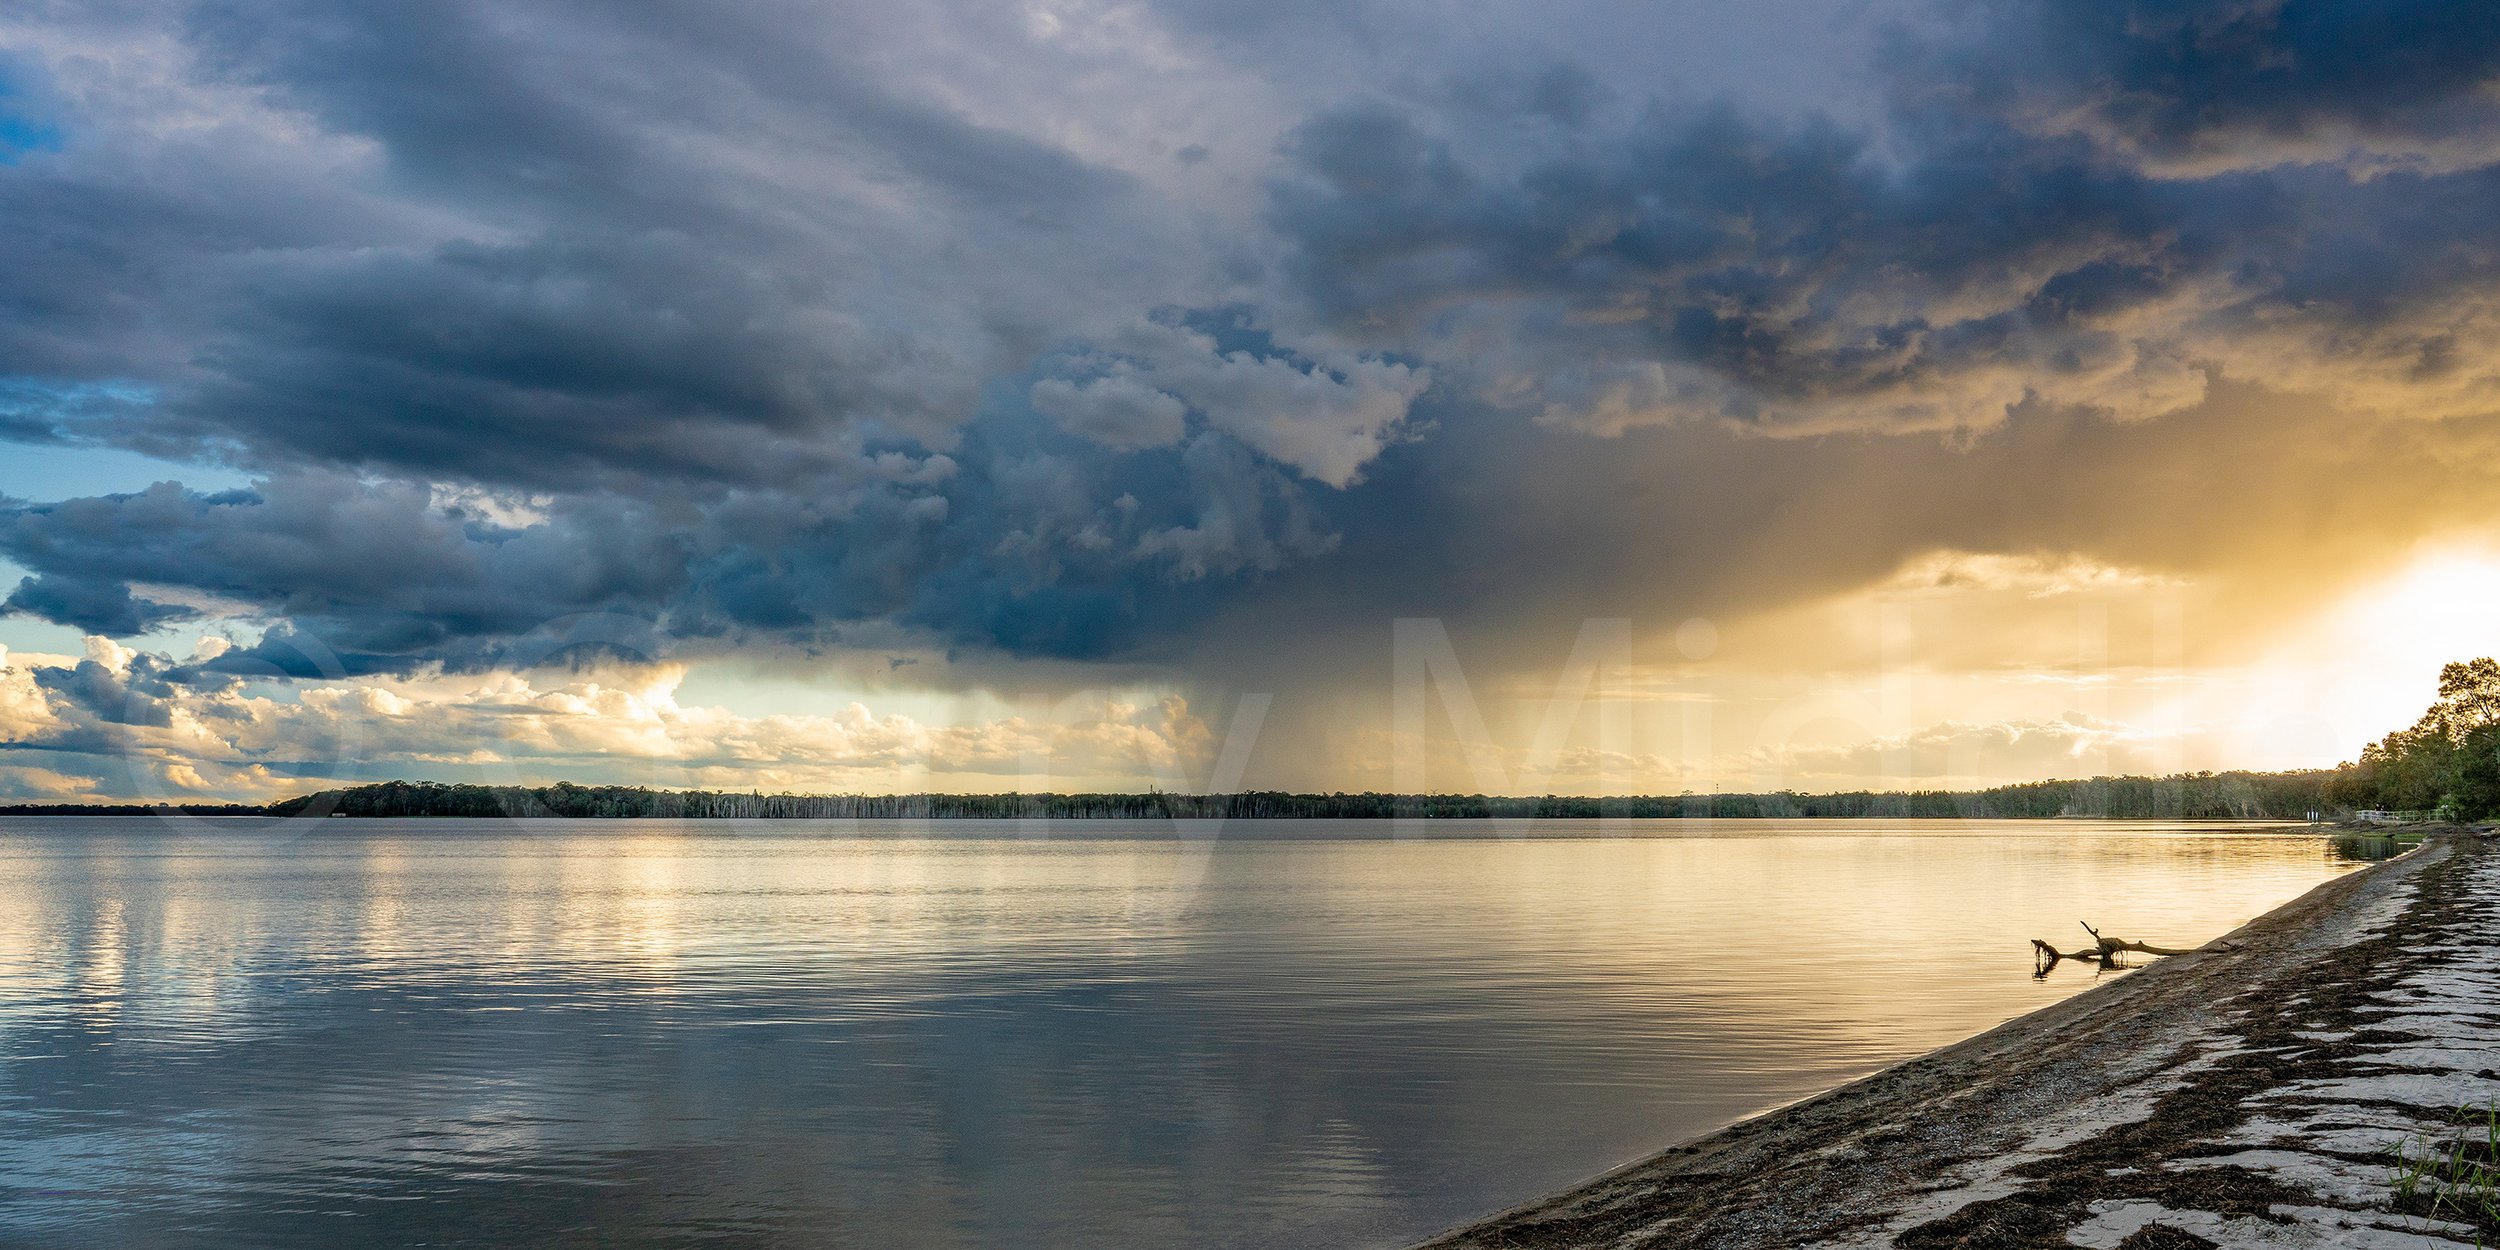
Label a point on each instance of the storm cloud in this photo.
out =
(1111, 334)
(1991, 244)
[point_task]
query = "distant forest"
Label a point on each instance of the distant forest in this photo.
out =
(2447, 765)
(2199, 796)
(2193, 796)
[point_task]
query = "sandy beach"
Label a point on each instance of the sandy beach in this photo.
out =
(2256, 1092)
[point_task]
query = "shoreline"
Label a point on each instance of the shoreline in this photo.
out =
(2251, 1092)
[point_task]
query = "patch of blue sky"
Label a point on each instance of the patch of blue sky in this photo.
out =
(48, 450)
(26, 635)
(19, 137)
(43, 472)
(20, 132)
(23, 634)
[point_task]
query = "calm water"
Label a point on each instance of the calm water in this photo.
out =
(911, 1035)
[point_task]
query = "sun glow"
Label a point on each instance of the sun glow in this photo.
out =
(2370, 662)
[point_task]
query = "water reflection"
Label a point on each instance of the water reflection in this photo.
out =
(2364, 848)
(912, 1035)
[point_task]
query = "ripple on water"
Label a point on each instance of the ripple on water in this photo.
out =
(643, 1033)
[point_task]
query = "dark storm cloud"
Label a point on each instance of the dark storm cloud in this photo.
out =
(648, 311)
(603, 245)
(2201, 84)
(1043, 555)
(98, 605)
(1983, 250)
(807, 326)
(1723, 267)
(375, 570)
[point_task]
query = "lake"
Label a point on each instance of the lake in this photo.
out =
(219, 1033)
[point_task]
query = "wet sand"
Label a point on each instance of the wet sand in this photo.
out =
(2255, 1092)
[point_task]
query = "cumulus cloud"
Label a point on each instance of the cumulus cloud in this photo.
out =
(1326, 418)
(1324, 413)
(1117, 411)
(124, 723)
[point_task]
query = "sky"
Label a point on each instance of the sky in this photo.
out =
(1574, 397)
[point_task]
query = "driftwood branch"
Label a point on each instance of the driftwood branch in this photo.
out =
(2103, 951)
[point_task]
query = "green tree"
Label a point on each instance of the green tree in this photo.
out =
(2477, 792)
(2449, 760)
(2469, 699)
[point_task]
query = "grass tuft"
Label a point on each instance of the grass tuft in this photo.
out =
(2455, 1174)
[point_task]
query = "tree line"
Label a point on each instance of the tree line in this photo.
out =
(2445, 765)
(2234, 795)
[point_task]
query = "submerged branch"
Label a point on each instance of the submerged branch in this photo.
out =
(2104, 951)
